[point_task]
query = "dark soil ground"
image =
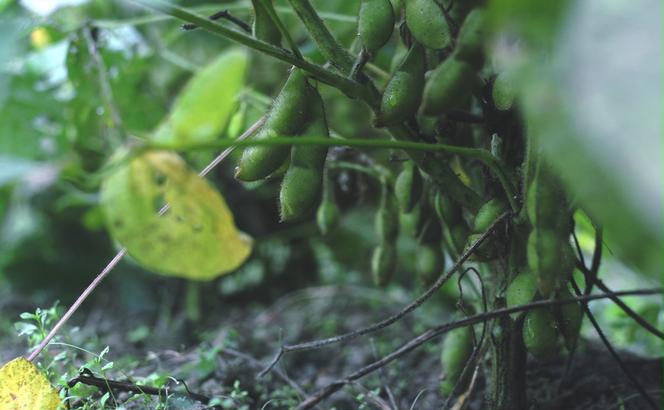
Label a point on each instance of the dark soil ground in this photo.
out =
(234, 341)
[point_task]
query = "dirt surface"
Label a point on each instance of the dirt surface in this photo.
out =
(232, 344)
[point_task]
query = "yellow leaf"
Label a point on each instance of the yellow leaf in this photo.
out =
(23, 387)
(195, 239)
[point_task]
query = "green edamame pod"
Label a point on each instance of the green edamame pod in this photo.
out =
(403, 93)
(470, 42)
(288, 116)
(327, 216)
(386, 221)
(539, 334)
(429, 262)
(426, 22)
(449, 87)
(302, 185)
(413, 221)
(570, 317)
(383, 263)
(456, 351)
(446, 209)
(485, 252)
(487, 214)
(457, 236)
(408, 187)
(544, 255)
(522, 289)
(263, 27)
(503, 92)
(545, 201)
(375, 23)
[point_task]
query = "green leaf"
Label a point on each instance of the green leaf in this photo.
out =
(196, 238)
(596, 118)
(204, 107)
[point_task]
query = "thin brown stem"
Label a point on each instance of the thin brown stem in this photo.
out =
(317, 344)
(434, 332)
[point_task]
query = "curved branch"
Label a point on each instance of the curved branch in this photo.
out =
(441, 329)
(316, 344)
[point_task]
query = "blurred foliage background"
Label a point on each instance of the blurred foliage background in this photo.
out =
(78, 78)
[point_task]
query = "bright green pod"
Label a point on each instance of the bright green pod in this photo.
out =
(456, 351)
(544, 252)
(446, 209)
(470, 42)
(426, 22)
(327, 216)
(545, 201)
(429, 262)
(302, 185)
(503, 91)
(408, 187)
(487, 251)
(411, 223)
(487, 214)
(457, 236)
(263, 28)
(288, 116)
(403, 93)
(522, 289)
(375, 23)
(386, 220)
(449, 87)
(383, 263)
(539, 334)
(569, 318)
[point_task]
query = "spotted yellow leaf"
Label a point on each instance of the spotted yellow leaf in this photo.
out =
(23, 387)
(196, 238)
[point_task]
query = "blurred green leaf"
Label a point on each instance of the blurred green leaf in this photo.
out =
(598, 117)
(204, 107)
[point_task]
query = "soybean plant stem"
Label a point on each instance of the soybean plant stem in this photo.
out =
(267, 5)
(479, 154)
(344, 84)
(328, 45)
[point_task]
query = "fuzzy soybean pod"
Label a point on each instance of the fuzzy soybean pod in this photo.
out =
(327, 214)
(375, 23)
(408, 187)
(456, 351)
(521, 290)
(386, 220)
(503, 91)
(403, 93)
(544, 254)
(302, 185)
(383, 263)
(569, 319)
(449, 87)
(426, 21)
(429, 262)
(539, 334)
(545, 201)
(288, 116)
(263, 28)
(446, 209)
(487, 214)
(470, 42)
